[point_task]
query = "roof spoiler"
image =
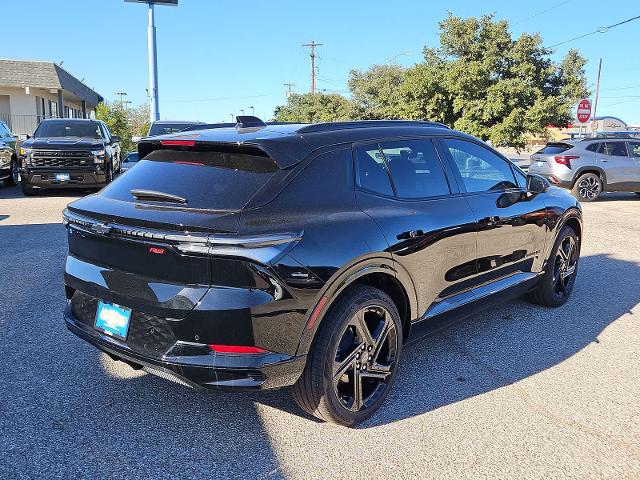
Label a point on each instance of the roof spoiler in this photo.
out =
(248, 121)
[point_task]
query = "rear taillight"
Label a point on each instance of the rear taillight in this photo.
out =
(237, 349)
(565, 159)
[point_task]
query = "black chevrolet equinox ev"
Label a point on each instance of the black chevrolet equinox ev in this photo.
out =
(271, 255)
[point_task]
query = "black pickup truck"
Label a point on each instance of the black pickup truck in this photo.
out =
(69, 152)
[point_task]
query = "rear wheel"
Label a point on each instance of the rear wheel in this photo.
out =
(354, 359)
(588, 187)
(556, 284)
(14, 178)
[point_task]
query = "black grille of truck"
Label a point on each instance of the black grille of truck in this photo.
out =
(61, 158)
(148, 334)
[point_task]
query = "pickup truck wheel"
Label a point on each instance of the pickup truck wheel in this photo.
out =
(27, 189)
(109, 175)
(14, 178)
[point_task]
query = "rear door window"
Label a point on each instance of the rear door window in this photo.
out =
(371, 171)
(220, 179)
(593, 147)
(415, 168)
(615, 149)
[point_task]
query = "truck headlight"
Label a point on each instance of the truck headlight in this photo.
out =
(99, 156)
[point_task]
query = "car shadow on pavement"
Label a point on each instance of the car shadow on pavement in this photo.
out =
(7, 193)
(68, 411)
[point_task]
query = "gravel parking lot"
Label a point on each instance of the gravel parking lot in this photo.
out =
(520, 391)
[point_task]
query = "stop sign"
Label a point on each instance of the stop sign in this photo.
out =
(584, 111)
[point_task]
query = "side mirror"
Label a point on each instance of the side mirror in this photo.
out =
(537, 184)
(115, 139)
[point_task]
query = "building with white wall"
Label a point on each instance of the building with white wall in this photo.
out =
(33, 90)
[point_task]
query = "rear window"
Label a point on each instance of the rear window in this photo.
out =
(552, 148)
(208, 179)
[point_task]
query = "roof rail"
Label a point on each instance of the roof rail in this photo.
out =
(331, 126)
(208, 126)
(611, 137)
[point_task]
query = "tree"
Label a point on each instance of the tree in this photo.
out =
(310, 108)
(125, 123)
(479, 80)
(375, 93)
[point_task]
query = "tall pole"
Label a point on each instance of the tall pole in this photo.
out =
(595, 100)
(154, 112)
(289, 90)
(312, 54)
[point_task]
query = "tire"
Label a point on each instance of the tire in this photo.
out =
(27, 189)
(558, 281)
(119, 169)
(588, 187)
(637, 193)
(109, 174)
(14, 178)
(363, 333)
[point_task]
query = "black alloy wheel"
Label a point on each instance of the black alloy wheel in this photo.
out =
(353, 362)
(557, 283)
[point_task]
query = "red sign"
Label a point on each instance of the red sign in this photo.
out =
(584, 111)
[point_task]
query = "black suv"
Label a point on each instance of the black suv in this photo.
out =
(8, 158)
(272, 255)
(69, 152)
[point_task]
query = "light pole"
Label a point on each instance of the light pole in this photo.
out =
(253, 111)
(392, 59)
(242, 112)
(154, 111)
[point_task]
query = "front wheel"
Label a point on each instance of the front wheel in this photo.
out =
(557, 283)
(27, 189)
(354, 358)
(14, 178)
(588, 187)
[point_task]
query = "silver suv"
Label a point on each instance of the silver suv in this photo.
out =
(591, 166)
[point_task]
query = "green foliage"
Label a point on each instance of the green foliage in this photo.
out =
(480, 80)
(308, 108)
(125, 123)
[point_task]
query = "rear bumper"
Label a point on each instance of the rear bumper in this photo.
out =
(191, 365)
(45, 178)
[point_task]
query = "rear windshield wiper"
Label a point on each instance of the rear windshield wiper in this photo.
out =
(155, 195)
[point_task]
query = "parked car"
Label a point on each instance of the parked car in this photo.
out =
(130, 160)
(591, 166)
(8, 158)
(69, 152)
(164, 127)
(307, 255)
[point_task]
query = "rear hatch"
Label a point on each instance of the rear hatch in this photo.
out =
(142, 241)
(547, 154)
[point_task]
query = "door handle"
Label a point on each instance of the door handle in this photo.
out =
(410, 234)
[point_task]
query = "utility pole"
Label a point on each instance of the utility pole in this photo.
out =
(312, 54)
(121, 95)
(289, 91)
(595, 100)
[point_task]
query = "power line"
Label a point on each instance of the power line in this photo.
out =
(542, 12)
(193, 100)
(599, 30)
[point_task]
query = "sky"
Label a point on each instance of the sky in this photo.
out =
(216, 58)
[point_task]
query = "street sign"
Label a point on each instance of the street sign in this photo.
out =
(584, 110)
(155, 2)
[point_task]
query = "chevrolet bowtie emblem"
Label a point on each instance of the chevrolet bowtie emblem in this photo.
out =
(100, 228)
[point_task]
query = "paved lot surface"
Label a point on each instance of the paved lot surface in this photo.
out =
(518, 392)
